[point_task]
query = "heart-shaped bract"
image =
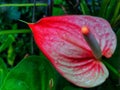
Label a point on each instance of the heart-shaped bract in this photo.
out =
(61, 40)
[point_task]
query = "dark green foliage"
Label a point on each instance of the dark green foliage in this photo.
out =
(36, 72)
(13, 13)
(10, 39)
(31, 73)
(3, 71)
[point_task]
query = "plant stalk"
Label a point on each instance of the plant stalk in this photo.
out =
(2, 32)
(23, 5)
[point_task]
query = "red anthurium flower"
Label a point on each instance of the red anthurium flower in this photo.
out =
(74, 45)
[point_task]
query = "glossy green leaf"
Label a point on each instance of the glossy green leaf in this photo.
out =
(110, 9)
(7, 43)
(103, 8)
(48, 76)
(31, 73)
(58, 1)
(84, 7)
(3, 71)
(57, 11)
(116, 12)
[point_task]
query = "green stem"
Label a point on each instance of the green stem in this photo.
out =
(15, 31)
(110, 67)
(23, 5)
(22, 21)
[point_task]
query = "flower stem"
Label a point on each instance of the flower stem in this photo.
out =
(23, 21)
(50, 7)
(23, 5)
(14, 31)
(33, 20)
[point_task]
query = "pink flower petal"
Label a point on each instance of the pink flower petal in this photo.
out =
(61, 40)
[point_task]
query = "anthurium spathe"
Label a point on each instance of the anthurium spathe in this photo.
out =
(61, 39)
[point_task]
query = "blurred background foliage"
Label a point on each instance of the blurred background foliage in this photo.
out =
(16, 43)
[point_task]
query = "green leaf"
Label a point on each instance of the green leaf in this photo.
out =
(115, 25)
(3, 71)
(84, 7)
(103, 8)
(32, 73)
(57, 11)
(116, 12)
(7, 43)
(110, 9)
(49, 75)
(58, 1)
(112, 69)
